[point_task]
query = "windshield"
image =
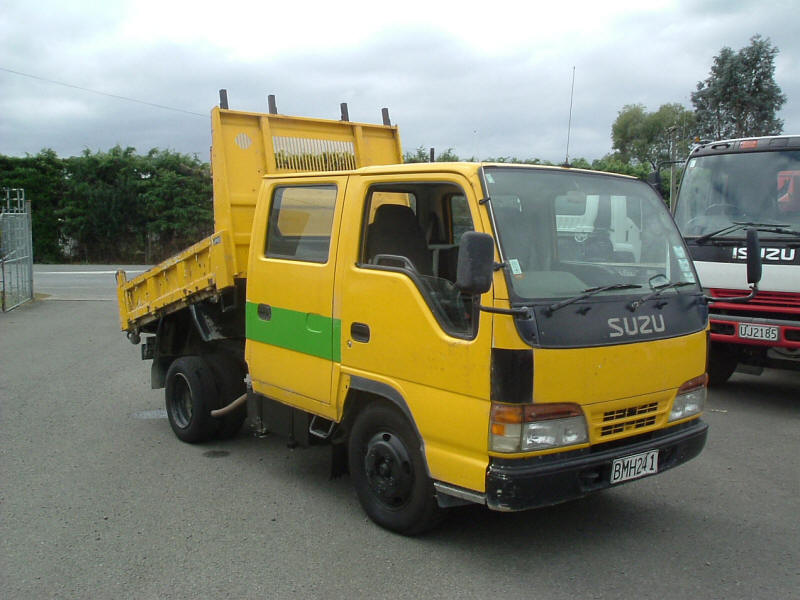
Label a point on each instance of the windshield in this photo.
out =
(762, 188)
(564, 233)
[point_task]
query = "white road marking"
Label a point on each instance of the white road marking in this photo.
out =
(81, 272)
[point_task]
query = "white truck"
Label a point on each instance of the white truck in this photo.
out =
(728, 187)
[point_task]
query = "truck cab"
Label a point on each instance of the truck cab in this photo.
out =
(728, 187)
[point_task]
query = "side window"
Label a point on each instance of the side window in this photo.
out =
(416, 228)
(300, 223)
(379, 199)
(395, 236)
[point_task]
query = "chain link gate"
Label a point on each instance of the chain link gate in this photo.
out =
(16, 249)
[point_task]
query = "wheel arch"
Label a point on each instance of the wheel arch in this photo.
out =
(362, 392)
(180, 334)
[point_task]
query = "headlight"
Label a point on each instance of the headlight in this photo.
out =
(691, 398)
(529, 427)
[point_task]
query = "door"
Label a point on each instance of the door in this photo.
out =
(292, 337)
(405, 326)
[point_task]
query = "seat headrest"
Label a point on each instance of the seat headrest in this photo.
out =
(397, 215)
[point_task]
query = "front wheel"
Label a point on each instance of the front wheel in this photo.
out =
(190, 395)
(389, 472)
(721, 364)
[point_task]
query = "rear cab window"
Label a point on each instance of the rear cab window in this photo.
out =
(300, 222)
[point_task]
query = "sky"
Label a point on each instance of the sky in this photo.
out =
(485, 79)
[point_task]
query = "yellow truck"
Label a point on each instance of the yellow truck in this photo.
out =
(508, 335)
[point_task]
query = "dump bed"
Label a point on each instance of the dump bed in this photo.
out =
(245, 146)
(200, 271)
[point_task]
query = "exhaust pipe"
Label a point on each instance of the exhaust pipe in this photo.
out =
(221, 412)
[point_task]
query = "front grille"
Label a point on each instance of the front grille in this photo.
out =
(792, 335)
(766, 306)
(627, 419)
(632, 411)
(766, 298)
(722, 328)
(627, 426)
(788, 300)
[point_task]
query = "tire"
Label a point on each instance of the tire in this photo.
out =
(721, 364)
(389, 473)
(190, 396)
(229, 376)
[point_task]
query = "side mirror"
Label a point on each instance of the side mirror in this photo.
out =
(753, 268)
(475, 263)
(753, 257)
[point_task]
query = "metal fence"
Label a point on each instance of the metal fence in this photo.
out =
(16, 249)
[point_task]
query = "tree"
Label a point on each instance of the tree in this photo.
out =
(612, 164)
(121, 206)
(177, 196)
(42, 178)
(113, 206)
(645, 138)
(627, 133)
(101, 212)
(421, 155)
(740, 97)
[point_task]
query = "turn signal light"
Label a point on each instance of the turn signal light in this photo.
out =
(690, 399)
(530, 427)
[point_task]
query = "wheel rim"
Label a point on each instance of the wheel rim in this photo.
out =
(181, 405)
(388, 468)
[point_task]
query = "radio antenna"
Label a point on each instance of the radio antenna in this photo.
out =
(569, 124)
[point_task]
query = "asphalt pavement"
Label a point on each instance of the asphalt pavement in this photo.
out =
(98, 499)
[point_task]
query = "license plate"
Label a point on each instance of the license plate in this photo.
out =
(758, 332)
(635, 466)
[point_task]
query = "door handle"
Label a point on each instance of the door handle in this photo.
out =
(264, 312)
(360, 332)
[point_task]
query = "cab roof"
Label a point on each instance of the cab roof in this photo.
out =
(751, 144)
(464, 168)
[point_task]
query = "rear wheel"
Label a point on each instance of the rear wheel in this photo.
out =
(389, 472)
(190, 395)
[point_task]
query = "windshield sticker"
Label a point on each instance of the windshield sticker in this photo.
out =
(692, 163)
(489, 178)
(515, 268)
(679, 251)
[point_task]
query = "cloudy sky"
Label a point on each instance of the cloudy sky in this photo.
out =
(485, 78)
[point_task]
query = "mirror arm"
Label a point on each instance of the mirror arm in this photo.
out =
(523, 311)
(735, 300)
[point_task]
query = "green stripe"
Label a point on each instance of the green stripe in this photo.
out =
(302, 332)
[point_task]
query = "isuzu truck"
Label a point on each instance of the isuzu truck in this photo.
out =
(508, 335)
(728, 187)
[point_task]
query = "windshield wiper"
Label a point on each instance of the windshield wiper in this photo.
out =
(587, 293)
(778, 229)
(657, 292)
(738, 225)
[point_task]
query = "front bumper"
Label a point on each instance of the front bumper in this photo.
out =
(520, 484)
(725, 328)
